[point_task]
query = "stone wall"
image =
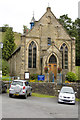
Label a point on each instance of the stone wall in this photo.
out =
(52, 88)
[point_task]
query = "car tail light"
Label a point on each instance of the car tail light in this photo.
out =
(23, 87)
(10, 86)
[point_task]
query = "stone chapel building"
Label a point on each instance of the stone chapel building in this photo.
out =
(46, 44)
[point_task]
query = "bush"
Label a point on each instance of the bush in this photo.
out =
(71, 77)
(46, 69)
(33, 76)
(5, 68)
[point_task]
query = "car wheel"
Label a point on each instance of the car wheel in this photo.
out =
(30, 93)
(10, 95)
(25, 96)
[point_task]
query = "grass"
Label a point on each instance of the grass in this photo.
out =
(77, 99)
(42, 95)
(6, 78)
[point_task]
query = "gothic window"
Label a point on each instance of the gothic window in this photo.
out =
(64, 51)
(32, 55)
(52, 59)
(49, 41)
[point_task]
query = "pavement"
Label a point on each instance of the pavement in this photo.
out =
(36, 107)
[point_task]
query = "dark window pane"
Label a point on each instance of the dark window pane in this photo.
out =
(64, 44)
(64, 55)
(52, 59)
(30, 57)
(49, 41)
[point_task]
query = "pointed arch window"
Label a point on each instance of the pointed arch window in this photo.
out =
(32, 55)
(52, 59)
(64, 51)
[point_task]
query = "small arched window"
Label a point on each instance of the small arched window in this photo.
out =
(32, 55)
(64, 51)
(52, 59)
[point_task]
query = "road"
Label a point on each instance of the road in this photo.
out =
(35, 107)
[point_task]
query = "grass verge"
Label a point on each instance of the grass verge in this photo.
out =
(77, 99)
(42, 95)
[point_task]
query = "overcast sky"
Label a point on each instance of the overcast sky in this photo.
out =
(17, 13)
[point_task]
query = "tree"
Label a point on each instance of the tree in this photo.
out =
(67, 23)
(25, 29)
(73, 29)
(5, 68)
(77, 24)
(9, 44)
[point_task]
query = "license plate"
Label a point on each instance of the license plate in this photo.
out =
(16, 94)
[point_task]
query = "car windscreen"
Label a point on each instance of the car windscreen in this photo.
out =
(67, 90)
(17, 83)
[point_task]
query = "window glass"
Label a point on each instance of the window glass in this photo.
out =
(64, 51)
(32, 55)
(49, 41)
(52, 59)
(17, 83)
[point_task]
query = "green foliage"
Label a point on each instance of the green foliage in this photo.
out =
(73, 28)
(25, 29)
(6, 78)
(71, 77)
(8, 44)
(77, 24)
(33, 76)
(5, 67)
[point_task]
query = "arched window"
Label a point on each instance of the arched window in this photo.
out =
(64, 51)
(52, 59)
(32, 55)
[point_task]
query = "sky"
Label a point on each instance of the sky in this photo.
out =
(17, 13)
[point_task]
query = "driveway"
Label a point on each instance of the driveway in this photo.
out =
(35, 107)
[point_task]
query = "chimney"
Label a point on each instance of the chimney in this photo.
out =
(48, 9)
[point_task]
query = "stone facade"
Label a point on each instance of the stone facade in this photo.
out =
(47, 27)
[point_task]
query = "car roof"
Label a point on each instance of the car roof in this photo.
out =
(20, 80)
(66, 87)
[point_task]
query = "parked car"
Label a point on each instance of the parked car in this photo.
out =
(20, 88)
(66, 95)
(3, 87)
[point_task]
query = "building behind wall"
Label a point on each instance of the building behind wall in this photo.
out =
(46, 44)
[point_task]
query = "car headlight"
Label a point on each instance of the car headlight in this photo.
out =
(60, 96)
(73, 97)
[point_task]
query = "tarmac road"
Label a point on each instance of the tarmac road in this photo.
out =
(35, 107)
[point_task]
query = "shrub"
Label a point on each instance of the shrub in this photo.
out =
(71, 77)
(46, 69)
(33, 76)
(59, 69)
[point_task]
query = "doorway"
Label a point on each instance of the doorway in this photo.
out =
(52, 65)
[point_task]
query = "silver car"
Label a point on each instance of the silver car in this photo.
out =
(20, 88)
(66, 95)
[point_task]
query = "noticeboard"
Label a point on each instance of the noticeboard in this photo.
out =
(26, 75)
(41, 77)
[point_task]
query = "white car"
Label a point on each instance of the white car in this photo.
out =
(66, 95)
(20, 88)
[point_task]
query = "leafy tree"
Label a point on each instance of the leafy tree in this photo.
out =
(5, 67)
(8, 43)
(66, 22)
(25, 29)
(73, 28)
(77, 23)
